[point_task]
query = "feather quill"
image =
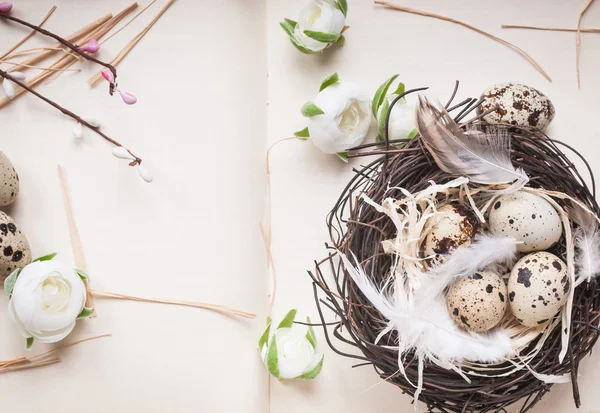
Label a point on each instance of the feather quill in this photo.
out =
(587, 242)
(483, 157)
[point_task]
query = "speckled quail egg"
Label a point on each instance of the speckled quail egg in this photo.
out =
(454, 226)
(14, 247)
(538, 287)
(528, 218)
(518, 105)
(9, 181)
(477, 303)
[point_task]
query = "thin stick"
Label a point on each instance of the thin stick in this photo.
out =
(76, 243)
(38, 67)
(97, 78)
(578, 54)
(550, 29)
(129, 22)
(72, 38)
(66, 43)
(40, 49)
(30, 35)
(64, 346)
(30, 365)
(195, 304)
(468, 26)
(67, 112)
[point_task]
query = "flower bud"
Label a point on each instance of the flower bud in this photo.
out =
(91, 46)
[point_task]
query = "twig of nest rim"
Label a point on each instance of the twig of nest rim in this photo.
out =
(136, 161)
(68, 44)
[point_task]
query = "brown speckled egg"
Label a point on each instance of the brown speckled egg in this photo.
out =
(454, 226)
(9, 181)
(528, 218)
(477, 303)
(537, 288)
(14, 247)
(518, 105)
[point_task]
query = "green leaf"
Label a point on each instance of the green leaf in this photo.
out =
(343, 156)
(9, 283)
(400, 89)
(290, 23)
(322, 37)
(288, 320)
(381, 94)
(310, 334)
(314, 372)
(272, 361)
(264, 339)
(85, 313)
(310, 109)
(303, 134)
(413, 133)
(288, 26)
(343, 6)
(29, 342)
(381, 121)
(46, 257)
(341, 41)
(329, 80)
(82, 274)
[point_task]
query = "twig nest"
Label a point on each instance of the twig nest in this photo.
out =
(528, 218)
(538, 287)
(517, 104)
(14, 247)
(477, 303)
(9, 181)
(454, 226)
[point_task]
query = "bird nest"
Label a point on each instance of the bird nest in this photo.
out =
(356, 228)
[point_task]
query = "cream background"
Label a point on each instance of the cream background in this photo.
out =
(202, 127)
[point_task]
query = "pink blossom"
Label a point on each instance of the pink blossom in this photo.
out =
(91, 46)
(108, 75)
(5, 6)
(128, 98)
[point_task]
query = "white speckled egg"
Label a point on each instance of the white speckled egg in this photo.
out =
(14, 247)
(9, 181)
(477, 303)
(528, 218)
(453, 227)
(537, 288)
(518, 105)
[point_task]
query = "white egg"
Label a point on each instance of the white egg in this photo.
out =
(537, 288)
(477, 303)
(528, 218)
(454, 226)
(9, 181)
(14, 247)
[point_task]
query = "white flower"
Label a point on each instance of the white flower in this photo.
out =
(291, 351)
(339, 117)
(402, 116)
(319, 25)
(45, 300)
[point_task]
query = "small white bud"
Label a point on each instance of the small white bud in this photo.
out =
(145, 174)
(19, 75)
(78, 131)
(122, 153)
(8, 88)
(92, 121)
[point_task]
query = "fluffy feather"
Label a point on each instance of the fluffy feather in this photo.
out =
(427, 325)
(587, 242)
(483, 157)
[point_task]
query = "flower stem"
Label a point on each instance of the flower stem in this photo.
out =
(67, 44)
(137, 160)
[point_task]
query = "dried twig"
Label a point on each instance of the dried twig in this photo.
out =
(468, 26)
(128, 22)
(578, 55)
(549, 29)
(97, 78)
(30, 35)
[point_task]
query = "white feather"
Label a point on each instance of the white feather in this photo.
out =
(587, 242)
(484, 157)
(427, 326)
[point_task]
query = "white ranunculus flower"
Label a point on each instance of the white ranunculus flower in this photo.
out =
(290, 352)
(402, 115)
(339, 118)
(319, 25)
(46, 300)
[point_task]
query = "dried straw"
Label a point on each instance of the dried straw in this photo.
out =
(550, 29)
(578, 56)
(30, 35)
